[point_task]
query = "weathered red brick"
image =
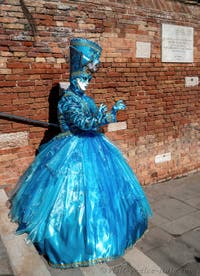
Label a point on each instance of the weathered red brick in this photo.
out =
(159, 106)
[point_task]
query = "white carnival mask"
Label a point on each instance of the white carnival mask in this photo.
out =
(82, 83)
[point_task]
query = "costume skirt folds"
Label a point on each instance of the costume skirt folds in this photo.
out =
(79, 202)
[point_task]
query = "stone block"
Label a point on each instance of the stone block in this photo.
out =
(24, 259)
(171, 256)
(3, 199)
(184, 192)
(158, 220)
(63, 272)
(194, 202)
(125, 269)
(13, 140)
(182, 224)
(142, 263)
(191, 238)
(190, 269)
(172, 208)
(117, 126)
(97, 270)
(155, 237)
(5, 268)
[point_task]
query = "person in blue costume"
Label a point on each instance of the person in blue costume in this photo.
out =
(79, 202)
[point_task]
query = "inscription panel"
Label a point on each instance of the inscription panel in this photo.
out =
(177, 43)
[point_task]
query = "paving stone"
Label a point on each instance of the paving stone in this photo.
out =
(172, 256)
(186, 187)
(195, 186)
(158, 220)
(65, 272)
(161, 189)
(3, 199)
(196, 215)
(172, 208)
(125, 269)
(154, 194)
(121, 268)
(2, 249)
(156, 237)
(195, 202)
(24, 259)
(182, 188)
(143, 264)
(193, 180)
(191, 238)
(97, 270)
(62, 272)
(191, 269)
(116, 262)
(182, 225)
(184, 192)
(187, 179)
(150, 224)
(5, 267)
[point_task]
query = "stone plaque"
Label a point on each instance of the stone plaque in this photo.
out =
(117, 126)
(177, 43)
(13, 140)
(143, 49)
(191, 81)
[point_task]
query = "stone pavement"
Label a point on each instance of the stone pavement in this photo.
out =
(173, 240)
(170, 247)
(5, 267)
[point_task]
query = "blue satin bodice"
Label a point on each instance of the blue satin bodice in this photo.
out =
(79, 113)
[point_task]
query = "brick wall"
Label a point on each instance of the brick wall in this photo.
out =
(162, 114)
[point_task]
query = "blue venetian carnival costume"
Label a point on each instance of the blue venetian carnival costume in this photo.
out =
(79, 201)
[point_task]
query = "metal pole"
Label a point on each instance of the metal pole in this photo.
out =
(26, 120)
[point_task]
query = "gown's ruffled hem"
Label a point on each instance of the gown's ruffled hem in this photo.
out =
(98, 260)
(91, 262)
(84, 263)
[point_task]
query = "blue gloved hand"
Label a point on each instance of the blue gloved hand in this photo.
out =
(119, 105)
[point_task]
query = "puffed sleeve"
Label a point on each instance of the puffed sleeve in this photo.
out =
(74, 112)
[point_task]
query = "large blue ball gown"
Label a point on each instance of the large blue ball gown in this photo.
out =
(79, 201)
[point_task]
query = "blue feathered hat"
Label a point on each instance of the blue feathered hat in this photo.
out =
(83, 52)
